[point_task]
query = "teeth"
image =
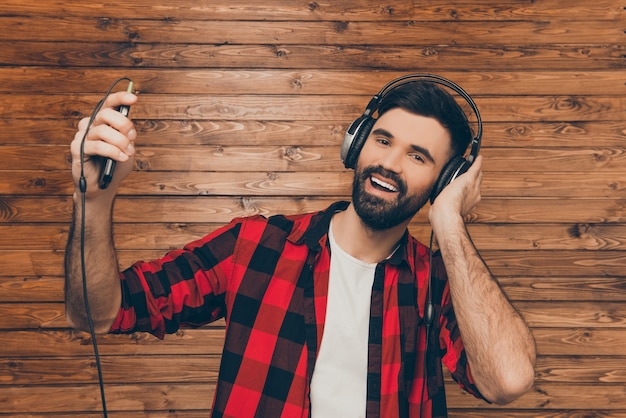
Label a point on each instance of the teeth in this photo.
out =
(384, 184)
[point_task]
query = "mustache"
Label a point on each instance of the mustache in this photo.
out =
(368, 171)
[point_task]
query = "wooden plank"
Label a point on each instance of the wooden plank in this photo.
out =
(86, 398)
(581, 369)
(69, 343)
(354, 10)
(601, 314)
(52, 80)
(29, 316)
(146, 369)
(431, 58)
(572, 134)
(551, 397)
(578, 342)
(549, 237)
(344, 33)
(559, 289)
(236, 108)
(223, 10)
(118, 414)
(544, 413)
(31, 289)
(238, 132)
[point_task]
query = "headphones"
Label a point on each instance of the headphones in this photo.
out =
(359, 130)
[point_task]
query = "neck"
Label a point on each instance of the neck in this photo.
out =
(363, 242)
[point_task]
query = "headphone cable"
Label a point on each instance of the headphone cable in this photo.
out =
(83, 190)
(428, 319)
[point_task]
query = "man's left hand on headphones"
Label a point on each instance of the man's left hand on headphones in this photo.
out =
(458, 198)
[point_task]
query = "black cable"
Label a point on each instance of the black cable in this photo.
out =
(83, 189)
(428, 319)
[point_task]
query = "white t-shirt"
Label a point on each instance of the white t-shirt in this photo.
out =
(339, 382)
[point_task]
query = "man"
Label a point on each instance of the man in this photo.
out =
(326, 312)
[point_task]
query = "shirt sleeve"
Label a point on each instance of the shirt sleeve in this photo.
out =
(184, 288)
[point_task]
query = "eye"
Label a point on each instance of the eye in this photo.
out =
(383, 141)
(417, 157)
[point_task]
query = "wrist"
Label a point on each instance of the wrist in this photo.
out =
(445, 225)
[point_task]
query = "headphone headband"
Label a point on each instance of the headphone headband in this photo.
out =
(374, 103)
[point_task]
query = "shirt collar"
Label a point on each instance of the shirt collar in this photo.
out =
(311, 230)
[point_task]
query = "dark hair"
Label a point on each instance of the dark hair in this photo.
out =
(426, 98)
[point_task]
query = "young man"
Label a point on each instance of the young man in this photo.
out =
(325, 311)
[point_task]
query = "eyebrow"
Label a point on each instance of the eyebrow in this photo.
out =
(421, 150)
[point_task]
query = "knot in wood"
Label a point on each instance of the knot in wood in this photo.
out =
(297, 82)
(518, 130)
(568, 103)
(338, 130)
(341, 27)
(104, 23)
(292, 154)
(578, 230)
(247, 204)
(141, 163)
(387, 10)
(600, 158)
(39, 182)
(281, 52)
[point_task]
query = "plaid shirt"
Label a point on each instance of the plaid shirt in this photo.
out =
(269, 278)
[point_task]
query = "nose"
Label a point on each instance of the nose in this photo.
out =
(391, 160)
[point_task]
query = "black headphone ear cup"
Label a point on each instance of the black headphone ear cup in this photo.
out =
(359, 138)
(454, 168)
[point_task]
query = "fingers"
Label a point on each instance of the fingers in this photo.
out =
(464, 192)
(477, 164)
(111, 134)
(107, 141)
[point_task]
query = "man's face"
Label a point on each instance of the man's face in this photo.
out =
(397, 168)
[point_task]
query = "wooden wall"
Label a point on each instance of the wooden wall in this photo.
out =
(242, 109)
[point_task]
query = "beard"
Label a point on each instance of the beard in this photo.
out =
(380, 214)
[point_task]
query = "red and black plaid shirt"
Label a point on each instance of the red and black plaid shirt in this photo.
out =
(269, 278)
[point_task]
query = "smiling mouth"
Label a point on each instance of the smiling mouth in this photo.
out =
(382, 185)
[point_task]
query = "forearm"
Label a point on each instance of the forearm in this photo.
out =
(101, 268)
(499, 346)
